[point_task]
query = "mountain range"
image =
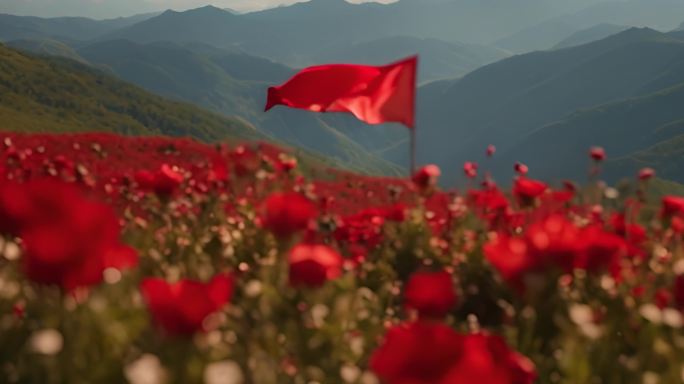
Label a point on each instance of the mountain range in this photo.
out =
(597, 81)
(58, 95)
(71, 29)
(547, 108)
(585, 36)
(215, 80)
(663, 15)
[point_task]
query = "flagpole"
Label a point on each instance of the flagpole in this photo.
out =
(413, 151)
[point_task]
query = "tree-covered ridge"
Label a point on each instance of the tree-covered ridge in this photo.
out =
(57, 95)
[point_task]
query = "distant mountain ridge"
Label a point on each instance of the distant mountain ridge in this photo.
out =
(46, 47)
(57, 95)
(506, 102)
(589, 35)
(471, 94)
(71, 29)
(663, 15)
(646, 131)
(284, 33)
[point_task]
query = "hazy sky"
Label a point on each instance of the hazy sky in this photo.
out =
(115, 8)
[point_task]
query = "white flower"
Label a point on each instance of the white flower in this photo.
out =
(651, 378)
(672, 318)
(12, 251)
(47, 342)
(651, 313)
(350, 373)
(224, 372)
(253, 288)
(146, 370)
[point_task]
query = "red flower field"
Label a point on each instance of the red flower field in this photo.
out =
(152, 260)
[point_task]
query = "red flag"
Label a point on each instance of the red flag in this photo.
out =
(372, 94)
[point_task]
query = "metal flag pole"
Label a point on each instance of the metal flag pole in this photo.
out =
(413, 151)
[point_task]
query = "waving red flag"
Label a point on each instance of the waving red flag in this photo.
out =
(372, 94)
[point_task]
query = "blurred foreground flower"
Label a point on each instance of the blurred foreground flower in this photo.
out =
(287, 213)
(181, 308)
(312, 265)
(430, 293)
(68, 239)
(427, 176)
(146, 370)
(432, 353)
(164, 182)
(527, 189)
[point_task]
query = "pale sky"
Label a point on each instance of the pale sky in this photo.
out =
(114, 8)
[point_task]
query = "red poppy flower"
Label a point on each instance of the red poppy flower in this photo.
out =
(673, 205)
(19, 311)
(427, 176)
(432, 353)
(287, 213)
(68, 240)
(677, 225)
(527, 189)
(646, 174)
(510, 256)
(396, 212)
(286, 163)
(311, 265)
(163, 182)
(470, 169)
(181, 308)
(562, 196)
(678, 291)
(432, 294)
(420, 352)
(634, 234)
(219, 169)
(663, 297)
(488, 359)
(491, 150)
(597, 153)
(554, 241)
(15, 207)
(490, 199)
(601, 250)
(245, 161)
(120, 257)
(521, 169)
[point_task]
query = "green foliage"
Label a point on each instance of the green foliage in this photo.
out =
(46, 47)
(57, 95)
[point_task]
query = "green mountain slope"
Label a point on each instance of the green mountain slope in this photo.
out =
(231, 83)
(46, 47)
(56, 95)
(504, 102)
(646, 131)
(667, 157)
